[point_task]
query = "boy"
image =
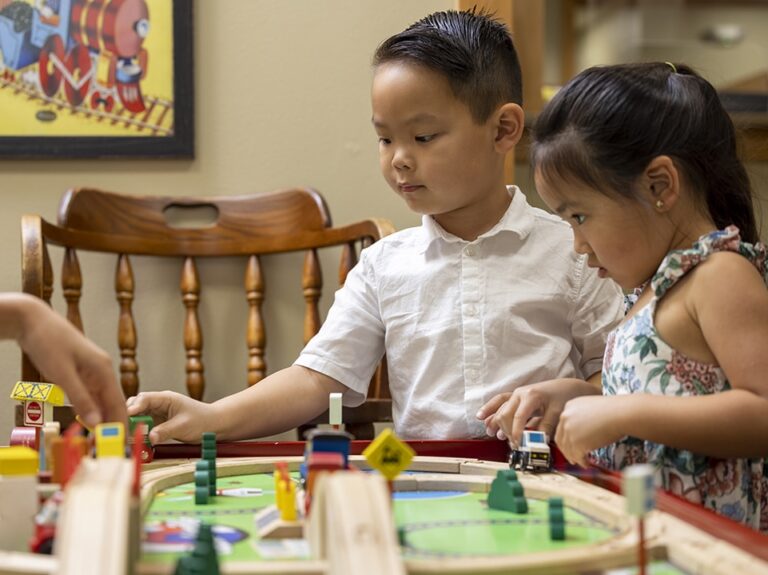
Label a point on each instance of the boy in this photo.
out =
(484, 297)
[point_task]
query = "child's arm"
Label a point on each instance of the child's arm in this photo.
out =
(734, 324)
(538, 405)
(276, 404)
(729, 424)
(64, 356)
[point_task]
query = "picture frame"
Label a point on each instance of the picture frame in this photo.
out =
(96, 79)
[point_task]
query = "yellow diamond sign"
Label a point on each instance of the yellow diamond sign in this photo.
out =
(388, 455)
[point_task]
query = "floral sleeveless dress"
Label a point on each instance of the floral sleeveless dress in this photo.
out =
(637, 360)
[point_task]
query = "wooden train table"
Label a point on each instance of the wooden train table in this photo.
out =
(441, 517)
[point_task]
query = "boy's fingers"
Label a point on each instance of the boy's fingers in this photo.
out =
(148, 403)
(135, 404)
(164, 431)
(159, 434)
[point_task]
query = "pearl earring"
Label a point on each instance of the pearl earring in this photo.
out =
(659, 204)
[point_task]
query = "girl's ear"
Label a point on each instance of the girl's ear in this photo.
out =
(661, 181)
(509, 121)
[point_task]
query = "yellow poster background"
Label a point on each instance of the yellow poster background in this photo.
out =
(21, 109)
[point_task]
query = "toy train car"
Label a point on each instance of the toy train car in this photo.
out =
(69, 38)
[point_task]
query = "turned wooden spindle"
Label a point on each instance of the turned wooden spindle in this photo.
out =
(256, 338)
(312, 287)
(193, 336)
(126, 326)
(71, 285)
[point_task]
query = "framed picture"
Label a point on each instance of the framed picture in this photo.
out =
(96, 78)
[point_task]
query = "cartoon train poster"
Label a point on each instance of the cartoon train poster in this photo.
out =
(86, 68)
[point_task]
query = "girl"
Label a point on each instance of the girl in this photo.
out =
(641, 160)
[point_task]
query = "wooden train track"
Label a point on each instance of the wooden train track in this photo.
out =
(156, 120)
(666, 536)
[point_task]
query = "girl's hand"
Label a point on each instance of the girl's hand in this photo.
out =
(587, 423)
(536, 405)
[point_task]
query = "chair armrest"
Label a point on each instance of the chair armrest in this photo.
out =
(32, 255)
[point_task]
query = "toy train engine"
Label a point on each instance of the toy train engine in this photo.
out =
(73, 41)
(116, 28)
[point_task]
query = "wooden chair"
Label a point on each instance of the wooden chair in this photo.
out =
(249, 226)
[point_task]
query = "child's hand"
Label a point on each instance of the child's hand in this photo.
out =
(537, 405)
(587, 423)
(70, 360)
(176, 416)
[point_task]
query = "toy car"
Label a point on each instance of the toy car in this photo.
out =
(533, 453)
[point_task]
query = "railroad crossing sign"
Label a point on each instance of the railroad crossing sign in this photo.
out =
(33, 414)
(37, 400)
(388, 455)
(43, 392)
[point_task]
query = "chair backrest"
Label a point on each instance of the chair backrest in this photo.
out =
(292, 220)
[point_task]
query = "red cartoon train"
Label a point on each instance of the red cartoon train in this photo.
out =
(92, 49)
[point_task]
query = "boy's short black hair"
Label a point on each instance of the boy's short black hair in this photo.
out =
(473, 51)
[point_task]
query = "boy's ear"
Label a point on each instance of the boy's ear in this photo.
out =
(509, 124)
(662, 183)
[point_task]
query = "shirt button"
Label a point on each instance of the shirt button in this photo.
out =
(470, 251)
(471, 309)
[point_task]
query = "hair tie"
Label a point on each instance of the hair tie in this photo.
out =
(671, 65)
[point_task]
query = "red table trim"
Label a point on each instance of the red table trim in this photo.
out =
(487, 450)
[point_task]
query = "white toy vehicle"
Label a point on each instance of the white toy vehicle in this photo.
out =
(533, 454)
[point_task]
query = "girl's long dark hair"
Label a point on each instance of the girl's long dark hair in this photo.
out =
(606, 125)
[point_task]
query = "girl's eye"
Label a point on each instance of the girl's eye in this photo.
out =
(384, 140)
(425, 139)
(579, 218)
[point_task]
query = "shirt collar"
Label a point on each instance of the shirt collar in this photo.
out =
(518, 220)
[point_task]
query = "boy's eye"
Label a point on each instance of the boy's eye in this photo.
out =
(578, 218)
(384, 140)
(426, 138)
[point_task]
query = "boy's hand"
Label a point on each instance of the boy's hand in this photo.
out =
(70, 360)
(176, 416)
(537, 405)
(587, 423)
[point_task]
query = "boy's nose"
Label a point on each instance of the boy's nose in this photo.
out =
(401, 161)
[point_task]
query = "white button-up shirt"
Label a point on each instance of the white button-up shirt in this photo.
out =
(463, 321)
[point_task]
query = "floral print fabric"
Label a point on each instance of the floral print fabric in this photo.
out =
(637, 360)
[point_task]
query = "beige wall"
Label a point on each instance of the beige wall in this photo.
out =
(282, 99)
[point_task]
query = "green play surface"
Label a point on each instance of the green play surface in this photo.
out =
(434, 524)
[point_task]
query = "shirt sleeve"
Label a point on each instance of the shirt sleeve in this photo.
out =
(350, 343)
(597, 309)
